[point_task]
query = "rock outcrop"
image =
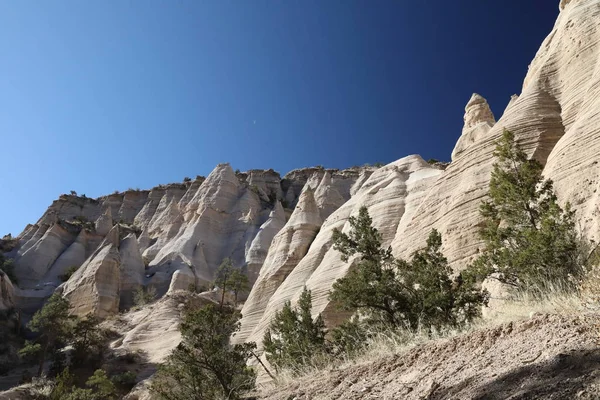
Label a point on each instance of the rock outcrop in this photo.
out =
(172, 237)
(391, 194)
(132, 270)
(478, 122)
(94, 287)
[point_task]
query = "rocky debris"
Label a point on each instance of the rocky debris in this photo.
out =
(549, 356)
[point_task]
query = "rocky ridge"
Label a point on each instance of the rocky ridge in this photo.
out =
(171, 237)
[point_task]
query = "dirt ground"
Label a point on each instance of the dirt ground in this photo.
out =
(545, 357)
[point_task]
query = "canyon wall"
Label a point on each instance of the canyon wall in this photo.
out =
(278, 230)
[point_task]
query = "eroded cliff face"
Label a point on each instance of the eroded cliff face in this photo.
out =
(302, 253)
(555, 119)
(279, 229)
(172, 237)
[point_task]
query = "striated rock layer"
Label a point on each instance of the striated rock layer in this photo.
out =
(391, 194)
(172, 237)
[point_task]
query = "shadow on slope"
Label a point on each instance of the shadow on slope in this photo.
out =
(563, 376)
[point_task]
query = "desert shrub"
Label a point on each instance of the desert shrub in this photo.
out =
(125, 380)
(7, 267)
(254, 189)
(187, 179)
(530, 240)
(400, 293)
(68, 273)
(205, 365)
(131, 357)
(294, 338)
(144, 295)
(82, 222)
(349, 338)
(89, 343)
(433, 161)
(99, 387)
(56, 330)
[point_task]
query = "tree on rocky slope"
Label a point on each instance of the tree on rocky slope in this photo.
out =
(294, 338)
(57, 329)
(414, 293)
(205, 365)
(229, 278)
(530, 240)
(98, 387)
(54, 326)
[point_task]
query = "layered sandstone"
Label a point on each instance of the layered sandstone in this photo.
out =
(172, 237)
(391, 194)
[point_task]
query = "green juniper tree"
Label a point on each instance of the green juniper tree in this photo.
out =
(530, 240)
(397, 292)
(294, 338)
(99, 387)
(229, 278)
(54, 326)
(89, 343)
(205, 366)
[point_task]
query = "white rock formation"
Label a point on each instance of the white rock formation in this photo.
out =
(132, 270)
(289, 246)
(94, 287)
(34, 263)
(391, 193)
(182, 233)
(105, 223)
(257, 253)
(478, 122)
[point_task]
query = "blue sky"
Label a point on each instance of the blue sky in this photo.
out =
(97, 96)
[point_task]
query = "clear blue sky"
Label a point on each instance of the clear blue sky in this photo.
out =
(97, 96)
